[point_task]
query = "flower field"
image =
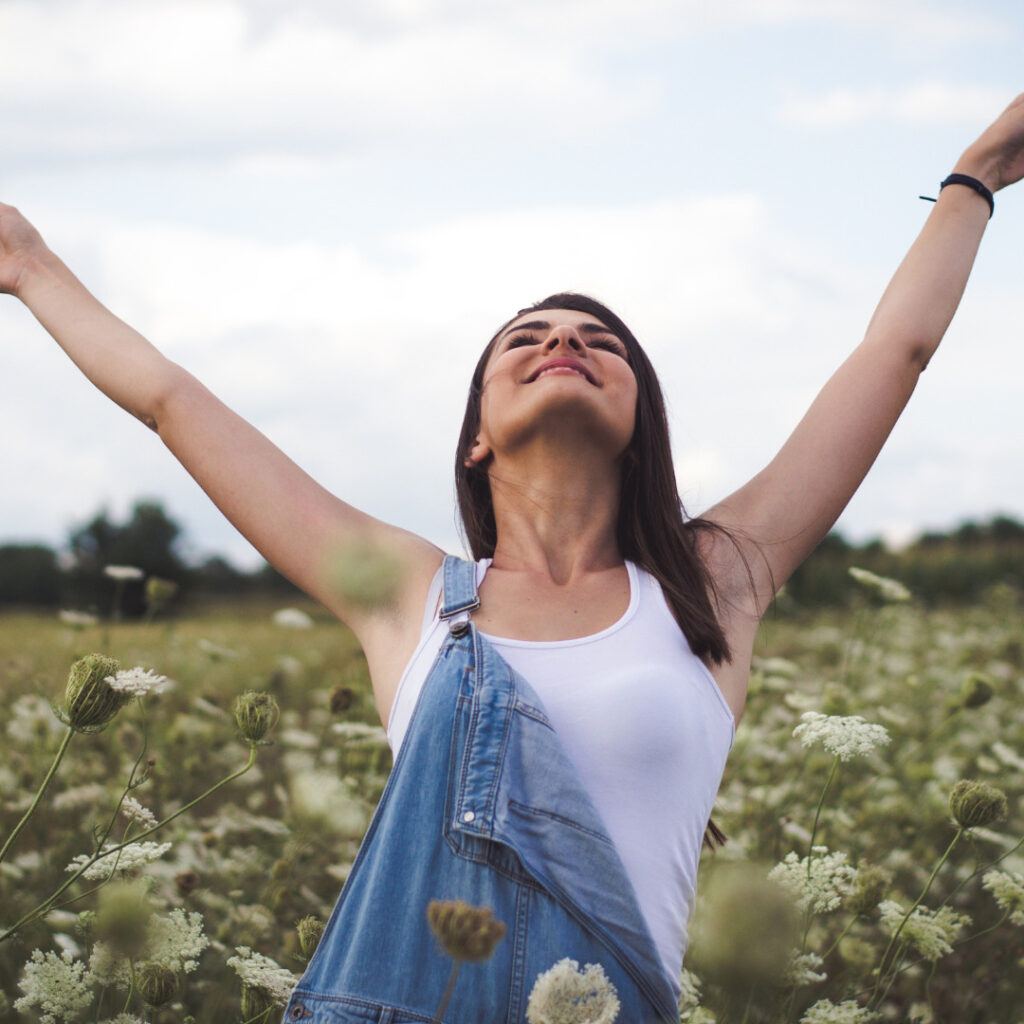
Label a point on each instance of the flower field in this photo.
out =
(852, 886)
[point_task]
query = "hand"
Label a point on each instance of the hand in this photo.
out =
(20, 246)
(997, 157)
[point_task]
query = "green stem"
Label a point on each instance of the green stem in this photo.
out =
(42, 789)
(47, 904)
(842, 935)
(131, 985)
(447, 992)
(883, 967)
(817, 811)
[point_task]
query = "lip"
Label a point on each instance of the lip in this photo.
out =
(552, 364)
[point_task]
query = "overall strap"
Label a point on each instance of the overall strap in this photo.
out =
(458, 593)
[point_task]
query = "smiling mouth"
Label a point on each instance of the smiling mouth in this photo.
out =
(562, 366)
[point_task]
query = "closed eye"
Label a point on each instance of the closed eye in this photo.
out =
(609, 345)
(522, 339)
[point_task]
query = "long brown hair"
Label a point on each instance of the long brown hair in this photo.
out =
(653, 530)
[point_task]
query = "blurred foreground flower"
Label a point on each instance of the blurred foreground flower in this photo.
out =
(881, 586)
(310, 930)
(845, 737)
(465, 932)
(745, 938)
(366, 573)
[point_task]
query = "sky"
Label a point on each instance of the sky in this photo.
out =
(324, 208)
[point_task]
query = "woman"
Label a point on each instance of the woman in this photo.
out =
(570, 795)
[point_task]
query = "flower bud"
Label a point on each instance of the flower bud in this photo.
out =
(90, 702)
(156, 983)
(122, 919)
(977, 690)
(310, 930)
(975, 804)
(341, 699)
(465, 932)
(159, 593)
(255, 713)
(186, 882)
(868, 889)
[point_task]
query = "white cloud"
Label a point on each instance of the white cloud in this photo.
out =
(938, 103)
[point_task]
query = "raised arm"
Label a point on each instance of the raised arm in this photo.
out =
(299, 527)
(785, 511)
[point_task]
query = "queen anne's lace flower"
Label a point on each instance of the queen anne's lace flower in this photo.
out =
(564, 994)
(887, 589)
(805, 970)
(846, 737)
(123, 572)
(135, 855)
(824, 1011)
(177, 940)
(134, 811)
(138, 682)
(824, 888)
(259, 971)
(930, 932)
(59, 987)
(1008, 890)
(292, 618)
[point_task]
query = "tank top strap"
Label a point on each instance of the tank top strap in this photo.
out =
(458, 590)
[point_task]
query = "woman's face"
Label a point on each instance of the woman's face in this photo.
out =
(559, 372)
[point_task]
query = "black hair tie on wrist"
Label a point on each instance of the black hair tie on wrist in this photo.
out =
(965, 179)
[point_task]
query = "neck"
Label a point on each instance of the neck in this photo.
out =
(556, 512)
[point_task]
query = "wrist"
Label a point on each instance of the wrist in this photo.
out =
(981, 166)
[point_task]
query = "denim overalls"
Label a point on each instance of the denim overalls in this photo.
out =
(484, 806)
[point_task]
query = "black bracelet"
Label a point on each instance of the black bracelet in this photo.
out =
(965, 179)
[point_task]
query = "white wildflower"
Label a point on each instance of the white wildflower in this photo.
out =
(292, 618)
(887, 589)
(77, 620)
(135, 855)
(59, 987)
(216, 651)
(134, 811)
(138, 681)
(1008, 890)
(564, 994)
(125, 1018)
(176, 941)
(108, 966)
(89, 794)
(846, 737)
(805, 970)
(930, 932)
(259, 971)
(821, 890)
(824, 1011)
(700, 1015)
(123, 572)
(1008, 756)
(29, 716)
(689, 997)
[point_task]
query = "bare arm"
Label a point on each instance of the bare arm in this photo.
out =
(297, 525)
(787, 509)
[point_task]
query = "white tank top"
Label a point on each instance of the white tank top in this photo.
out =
(644, 723)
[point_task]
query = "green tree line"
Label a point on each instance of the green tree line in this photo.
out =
(960, 566)
(147, 539)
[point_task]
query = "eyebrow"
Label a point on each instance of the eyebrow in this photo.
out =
(543, 325)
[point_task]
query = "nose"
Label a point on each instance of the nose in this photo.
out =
(566, 336)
